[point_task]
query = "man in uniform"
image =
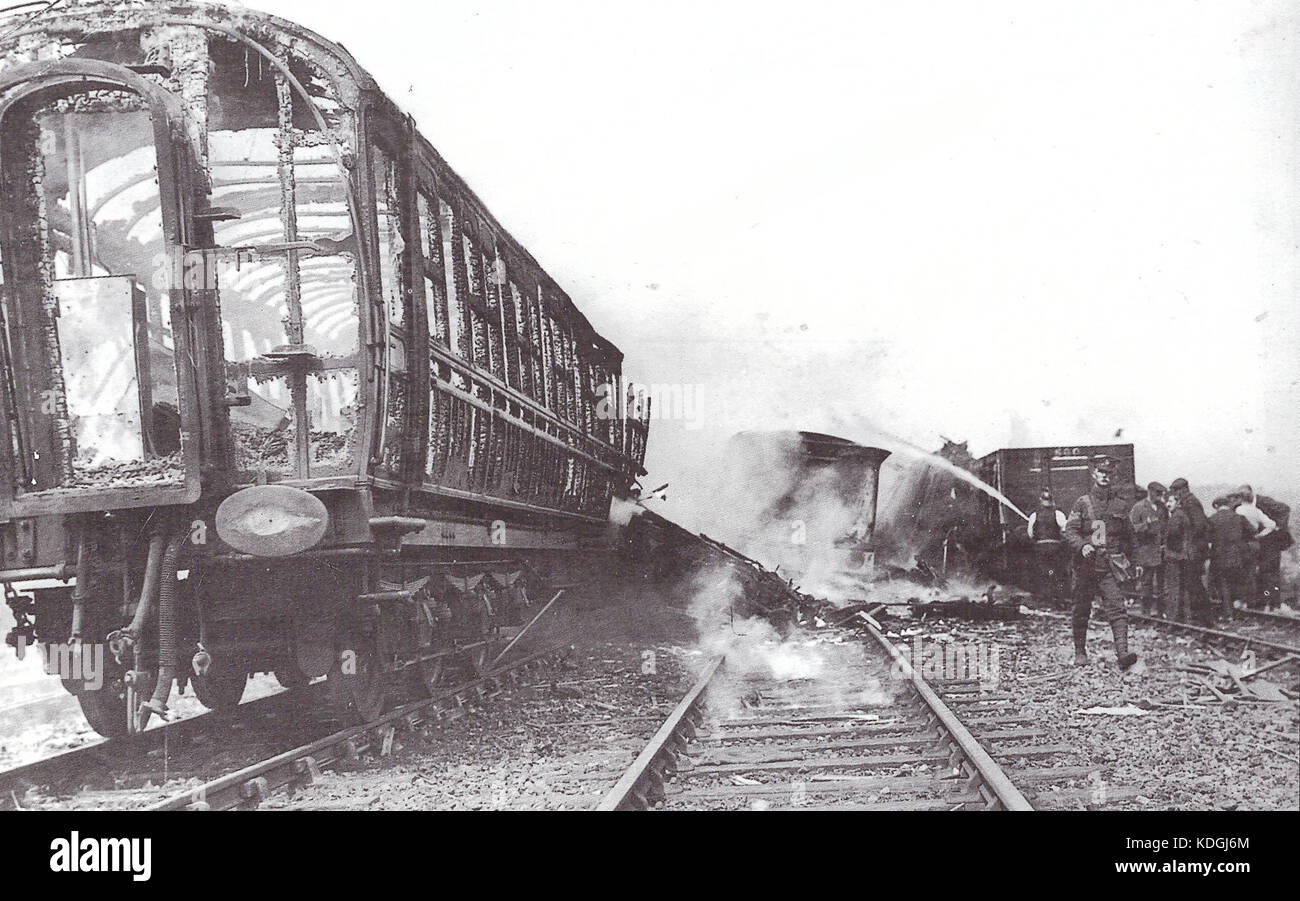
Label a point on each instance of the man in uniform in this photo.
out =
(1148, 520)
(1045, 527)
(1198, 549)
(1098, 532)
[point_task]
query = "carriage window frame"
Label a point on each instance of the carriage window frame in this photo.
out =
(172, 164)
(303, 368)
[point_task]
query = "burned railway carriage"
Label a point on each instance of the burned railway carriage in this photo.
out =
(278, 390)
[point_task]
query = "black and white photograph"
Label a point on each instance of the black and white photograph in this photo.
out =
(855, 408)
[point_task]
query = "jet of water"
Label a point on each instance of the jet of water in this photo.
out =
(948, 466)
(899, 445)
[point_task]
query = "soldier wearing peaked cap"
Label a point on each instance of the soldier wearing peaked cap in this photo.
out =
(1099, 534)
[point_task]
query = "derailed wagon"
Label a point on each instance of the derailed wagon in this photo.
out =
(279, 393)
(949, 521)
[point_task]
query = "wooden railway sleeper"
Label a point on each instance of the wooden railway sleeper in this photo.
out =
(670, 758)
(308, 769)
(653, 791)
(255, 789)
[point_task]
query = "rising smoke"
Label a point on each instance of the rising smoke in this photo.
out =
(811, 664)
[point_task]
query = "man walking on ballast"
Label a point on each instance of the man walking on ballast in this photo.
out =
(1098, 532)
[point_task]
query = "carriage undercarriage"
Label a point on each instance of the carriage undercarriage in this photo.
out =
(378, 622)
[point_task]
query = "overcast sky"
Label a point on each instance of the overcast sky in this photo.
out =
(1011, 223)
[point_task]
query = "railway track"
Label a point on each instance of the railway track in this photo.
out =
(874, 736)
(120, 763)
(1258, 629)
(124, 772)
(246, 787)
(1286, 628)
(1276, 633)
(38, 710)
(1271, 616)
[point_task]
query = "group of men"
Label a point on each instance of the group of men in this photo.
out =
(1155, 546)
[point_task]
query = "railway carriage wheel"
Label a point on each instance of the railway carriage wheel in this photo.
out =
(110, 709)
(220, 689)
(107, 715)
(430, 643)
(359, 680)
(430, 670)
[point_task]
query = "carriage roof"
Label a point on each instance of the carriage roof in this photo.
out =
(25, 26)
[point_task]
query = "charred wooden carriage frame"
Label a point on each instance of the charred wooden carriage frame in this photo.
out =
(277, 389)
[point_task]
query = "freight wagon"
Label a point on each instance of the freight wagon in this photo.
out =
(949, 522)
(1020, 474)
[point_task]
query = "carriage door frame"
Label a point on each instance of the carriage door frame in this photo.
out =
(400, 332)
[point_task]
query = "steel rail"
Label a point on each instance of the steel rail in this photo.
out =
(1217, 633)
(642, 782)
(1004, 795)
(1269, 616)
(56, 699)
(246, 787)
(66, 765)
(1193, 627)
